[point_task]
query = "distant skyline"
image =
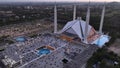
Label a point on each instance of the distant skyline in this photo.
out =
(58, 0)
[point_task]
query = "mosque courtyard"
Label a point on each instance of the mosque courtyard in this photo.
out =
(59, 53)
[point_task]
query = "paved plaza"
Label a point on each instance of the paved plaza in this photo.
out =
(25, 54)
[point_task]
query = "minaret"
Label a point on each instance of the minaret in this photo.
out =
(87, 23)
(102, 20)
(74, 12)
(82, 33)
(55, 18)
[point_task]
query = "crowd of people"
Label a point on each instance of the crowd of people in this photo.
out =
(25, 52)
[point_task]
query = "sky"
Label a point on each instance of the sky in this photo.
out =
(57, 0)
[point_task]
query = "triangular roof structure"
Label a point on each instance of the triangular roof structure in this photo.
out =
(77, 27)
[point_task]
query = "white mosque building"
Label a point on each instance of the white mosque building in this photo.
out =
(78, 28)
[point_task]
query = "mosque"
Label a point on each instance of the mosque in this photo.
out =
(81, 30)
(54, 50)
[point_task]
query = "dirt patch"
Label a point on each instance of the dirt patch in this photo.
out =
(115, 47)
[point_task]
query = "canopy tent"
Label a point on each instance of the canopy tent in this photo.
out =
(101, 40)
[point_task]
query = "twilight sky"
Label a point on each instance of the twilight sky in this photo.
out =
(56, 0)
